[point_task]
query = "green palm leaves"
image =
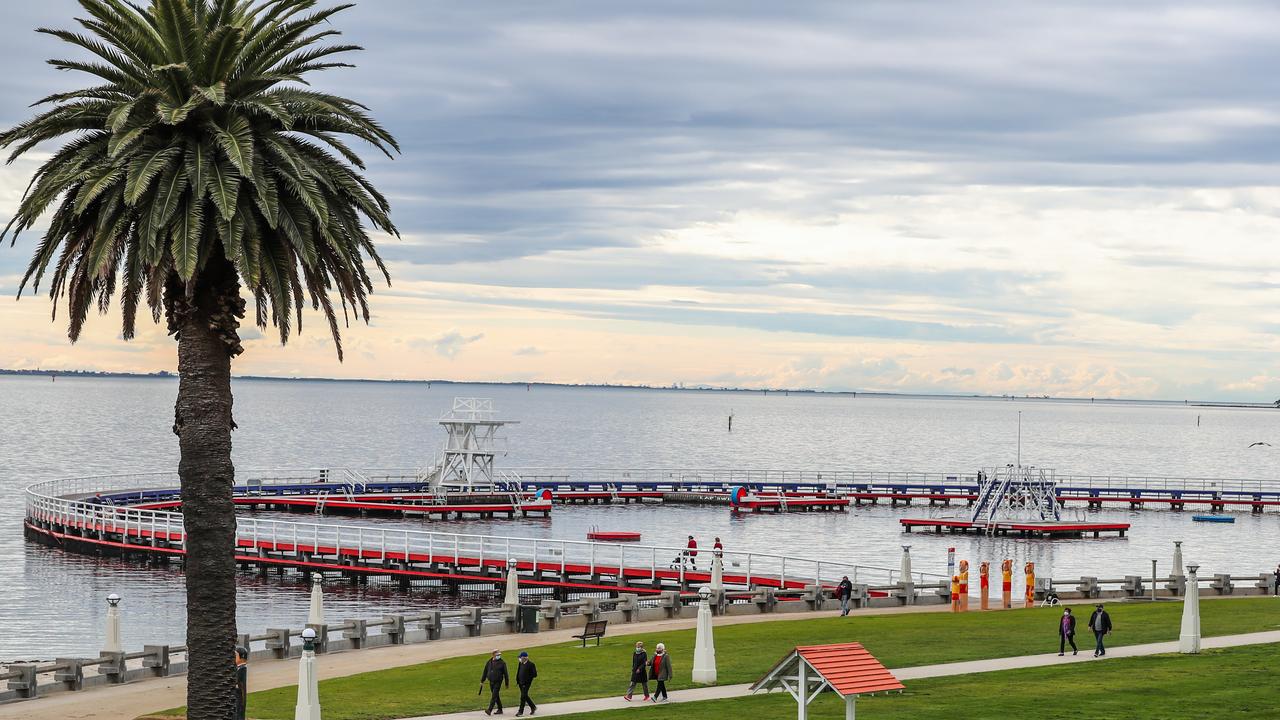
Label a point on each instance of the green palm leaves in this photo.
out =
(201, 136)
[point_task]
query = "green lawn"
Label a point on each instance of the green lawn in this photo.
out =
(745, 651)
(1237, 682)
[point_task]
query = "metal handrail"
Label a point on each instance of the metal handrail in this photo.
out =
(62, 501)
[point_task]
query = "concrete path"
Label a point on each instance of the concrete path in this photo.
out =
(126, 702)
(904, 674)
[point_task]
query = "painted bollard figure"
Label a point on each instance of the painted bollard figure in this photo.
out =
(984, 585)
(639, 672)
(1029, 599)
(1067, 633)
(495, 673)
(1006, 589)
(1100, 624)
(526, 671)
(964, 585)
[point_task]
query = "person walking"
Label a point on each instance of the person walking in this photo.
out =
(844, 591)
(1067, 633)
(691, 551)
(660, 670)
(526, 671)
(1276, 588)
(1100, 624)
(718, 549)
(495, 672)
(639, 672)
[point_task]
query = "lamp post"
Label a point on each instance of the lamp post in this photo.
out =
(308, 706)
(513, 586)
(316, 614)
(704, 649)
(1189, 640)
(112, 644)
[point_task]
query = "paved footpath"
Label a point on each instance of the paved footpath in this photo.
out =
(126, 702)
(905, 674)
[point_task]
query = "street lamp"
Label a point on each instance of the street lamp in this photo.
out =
(704, 646)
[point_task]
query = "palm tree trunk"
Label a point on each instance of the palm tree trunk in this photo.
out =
(205, 323)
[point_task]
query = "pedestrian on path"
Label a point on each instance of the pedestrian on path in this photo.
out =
(526, 671)
(660, 670)
(495, 673)
(639, 672)
(1276, 588)
(1100, 624)
(1067, 633)
(844, 591)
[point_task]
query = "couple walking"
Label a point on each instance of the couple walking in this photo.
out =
(1099, 623)
(495, 673)
(644, 669)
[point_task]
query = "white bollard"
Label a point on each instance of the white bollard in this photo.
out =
(308, 707)
(717, 574)
(112, 644)
(1189, 640)
(905, 569)
(316, 615)
(513, 585)
(704, 646)
(1177, 559)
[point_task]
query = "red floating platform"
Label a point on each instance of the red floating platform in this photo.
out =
(613, 536)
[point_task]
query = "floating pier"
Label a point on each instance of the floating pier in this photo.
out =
(1041, 529)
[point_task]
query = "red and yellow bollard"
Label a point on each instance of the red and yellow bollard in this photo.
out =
(1030, 571)
(984, 583)
(955, 593)
(964, 585)
(1006, 570)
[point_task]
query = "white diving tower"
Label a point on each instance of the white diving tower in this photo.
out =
(466, 464)
(1015, 493)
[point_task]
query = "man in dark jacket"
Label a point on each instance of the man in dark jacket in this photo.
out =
(1067, 633)
(844, 591)
(495, 672)
(526, 671)
(1100, 624)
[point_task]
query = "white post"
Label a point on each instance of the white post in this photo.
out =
(513, 587)
(308, 707)
(316, 614)
(804, 693)
(717, 574)
(905, 569)
(704, 647)
(1177, 559)
(848, 707)
(112, 644)
(1189, 641)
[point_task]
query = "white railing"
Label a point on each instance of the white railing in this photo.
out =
(65, 502)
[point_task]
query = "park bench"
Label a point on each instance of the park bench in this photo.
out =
(594, 629)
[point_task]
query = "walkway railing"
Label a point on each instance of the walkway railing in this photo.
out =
(70, 503)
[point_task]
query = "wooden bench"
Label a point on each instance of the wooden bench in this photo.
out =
(594, 629)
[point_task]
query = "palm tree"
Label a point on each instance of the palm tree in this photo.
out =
(201, 165)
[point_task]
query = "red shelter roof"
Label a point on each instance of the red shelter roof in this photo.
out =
(846, 668)
(849, 668)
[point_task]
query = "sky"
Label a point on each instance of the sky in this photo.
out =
(1068, 199)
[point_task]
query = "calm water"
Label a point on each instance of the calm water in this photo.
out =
(53, 602)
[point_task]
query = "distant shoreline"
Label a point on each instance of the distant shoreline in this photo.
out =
(166, 375)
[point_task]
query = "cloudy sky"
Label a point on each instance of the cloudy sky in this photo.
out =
(962, 197)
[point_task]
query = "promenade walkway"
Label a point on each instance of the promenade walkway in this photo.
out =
(126, 702)
(905, 674)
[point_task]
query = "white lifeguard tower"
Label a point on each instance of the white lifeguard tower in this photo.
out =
(1016, 493)
(467, 462)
